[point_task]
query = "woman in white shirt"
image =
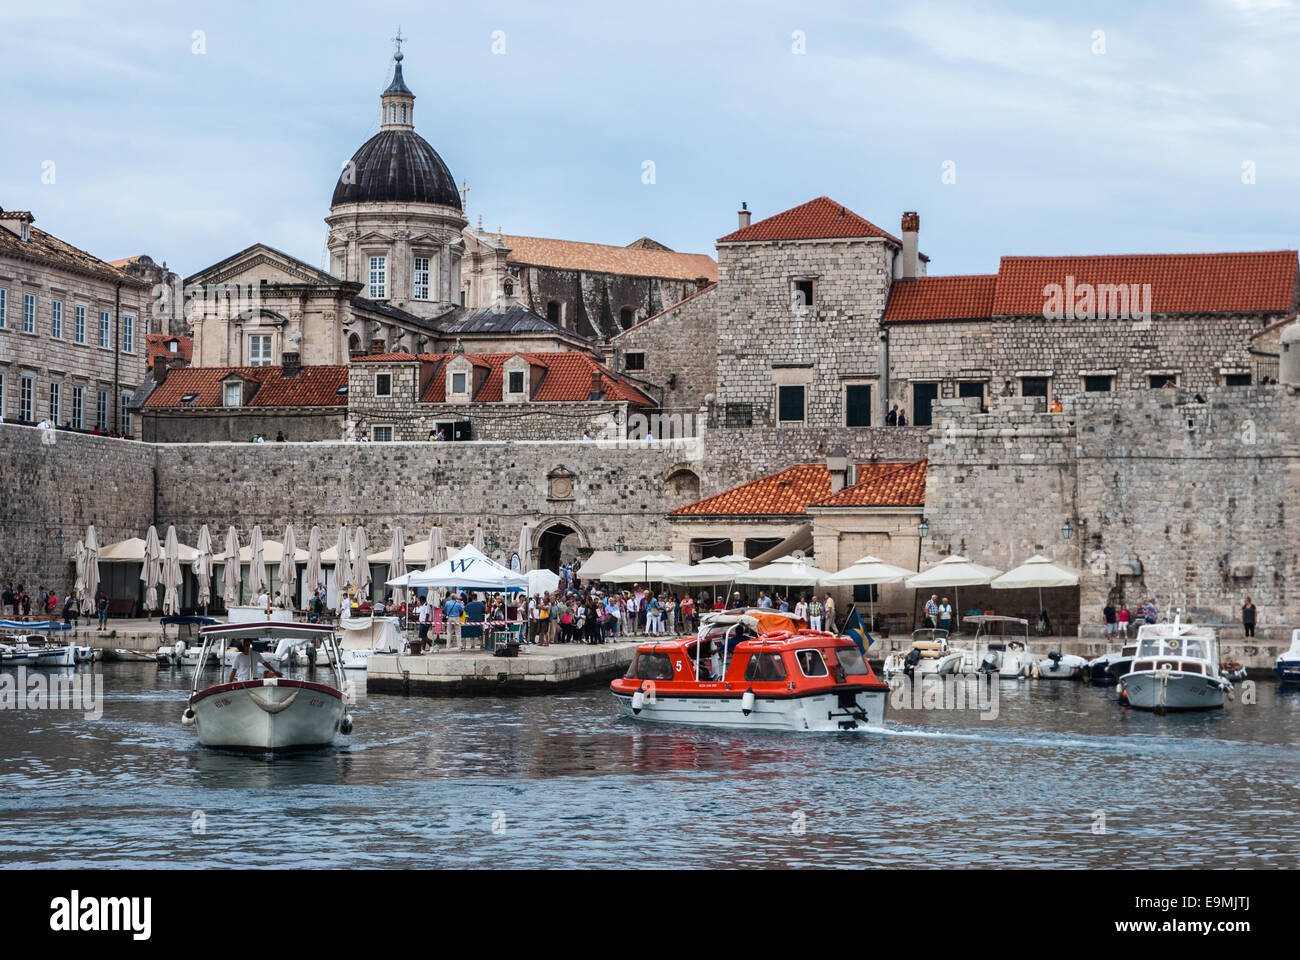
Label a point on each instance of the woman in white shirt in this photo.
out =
(801, 609)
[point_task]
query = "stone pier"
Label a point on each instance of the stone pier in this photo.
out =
(540, 670)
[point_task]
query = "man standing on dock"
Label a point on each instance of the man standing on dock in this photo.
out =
(932, 611)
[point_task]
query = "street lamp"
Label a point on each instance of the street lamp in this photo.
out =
(60, 539)
(923, 529)
(619, 546)
(1067, 531)
(491, 545)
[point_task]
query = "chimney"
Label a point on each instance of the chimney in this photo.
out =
(837, 465)
(701, 283)
(744, 215)
(290, 363)
(597, 385)
(160, 370)
(911, 227)
(377, 345)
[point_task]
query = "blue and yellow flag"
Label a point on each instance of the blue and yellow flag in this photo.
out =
(856, 631)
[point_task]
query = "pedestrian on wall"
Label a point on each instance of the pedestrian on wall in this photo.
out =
(1248, 617)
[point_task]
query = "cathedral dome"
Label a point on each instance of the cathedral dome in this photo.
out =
(396, 166)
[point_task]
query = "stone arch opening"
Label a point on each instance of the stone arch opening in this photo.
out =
(558, 543)
(683, 483)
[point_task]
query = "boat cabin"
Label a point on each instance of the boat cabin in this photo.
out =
(791, 659)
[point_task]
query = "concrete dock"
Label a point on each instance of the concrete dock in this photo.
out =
(536, 670)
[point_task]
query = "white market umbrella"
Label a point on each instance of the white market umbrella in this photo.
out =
(397, 563)
(525, 547)
(342, 565)
(787, 571)
(230, 571)
(203, 567)
(79, 588)
(360, 562)
(478, 538)
(92, 564)
(953, 572)
(437, 551)
(868, 571)
(151, 569)
(1038, 571)
(289, 568)
(652, 568)
(171, 575)
(313, 573)
(256, 564)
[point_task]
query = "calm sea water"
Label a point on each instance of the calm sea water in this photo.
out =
(563, 782)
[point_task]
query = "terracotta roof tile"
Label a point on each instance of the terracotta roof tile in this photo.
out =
(786, 493)
(822, 218)
(901, 487)
(637, 260)
(1180, 282)
(566, 376)
(942, 298)
(50, 247)
(157, 345)
(315, 386)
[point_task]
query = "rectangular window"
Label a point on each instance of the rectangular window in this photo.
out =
(1033, 386)
(383, 385)
(126, 415)
(27, 398)
(516, 381)
(1096, 384)
(382, 435)
(458, 383)
(923, 395)
(971, 388)
(803, 295)
(739, 415)
(101, 410)
(259, 350)
(1157, 381)
(79, 326)
(56, 319)
(105, 339)
(4, 308)
(790, 403)
(1236, 379)
(128, 333)
(857, 405)
(233, 394)
(56, 403)
(866, 593)
(378, 278)
(420, 278)
(634, 360)
(77, 399)
(29, 313)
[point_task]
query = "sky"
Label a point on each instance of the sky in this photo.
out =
(189, 131)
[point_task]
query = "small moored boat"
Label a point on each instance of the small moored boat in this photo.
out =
(271, 714)
(1062, 666)
(1176, 667)
(1000, 646)
(1288, 664)
(929, 655)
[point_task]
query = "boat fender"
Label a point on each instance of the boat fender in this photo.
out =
(345, 725)
(747, 702)
(188, 718)
(638, 701)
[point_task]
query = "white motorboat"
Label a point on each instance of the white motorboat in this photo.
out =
(1062, 666)
(37, 650)
(929, 655)
(1000, 646)
(1176, 667)
(1288, 664)
(272, 714)
(1098, 670)
(14, 652)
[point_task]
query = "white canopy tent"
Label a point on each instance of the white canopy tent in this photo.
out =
(469, 567)
(868, 571)
(953, 572)
(1038, 571)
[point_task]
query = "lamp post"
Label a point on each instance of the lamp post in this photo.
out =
(60, 540)
(1067, 531)
(923, 529)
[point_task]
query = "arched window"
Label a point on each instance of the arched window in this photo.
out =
(392, 113)
(403, 113)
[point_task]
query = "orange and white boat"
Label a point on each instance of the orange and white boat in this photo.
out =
(728, 676)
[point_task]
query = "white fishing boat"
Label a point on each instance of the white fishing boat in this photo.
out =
(272, 714)
(1062, 666)
(1176, 667)
(1288, 664)
(38, 650)
(1000, 647)
(929, 655)
(14, 652)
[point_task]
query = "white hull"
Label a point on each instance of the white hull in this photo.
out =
(1288, 669)
(936, 667)
(257, 718)
(1067, 668)
(57, 657)
(815, 713)
(1182, 691)
(1006, 664)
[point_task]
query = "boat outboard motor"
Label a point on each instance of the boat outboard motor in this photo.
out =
(1055, 657)
(910, 661)
(990, 663)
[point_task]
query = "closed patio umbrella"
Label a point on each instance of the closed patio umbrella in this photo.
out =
(313, 572)
(203, 567)
(478, 538)
(868, 571)
(437, 547)
(79, 588)
(343, 566)
(953, 572)
(525, 547)
(1038, 571)
(397, 565)
(361, 561)
(151, 569)
(92, 564)
(230, 571)
(256, 564)
(171, 577)
(289, 568)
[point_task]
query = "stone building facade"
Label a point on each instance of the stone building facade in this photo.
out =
(72, 332)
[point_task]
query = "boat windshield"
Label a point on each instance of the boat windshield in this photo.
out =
(650, 666)
(851, 660)
(1197, 647)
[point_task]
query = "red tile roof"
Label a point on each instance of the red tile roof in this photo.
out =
(901, 487)
(1186, 283)
(565, 376)
(637, 259)
(315, 386)
(942, 298)
(791, 491)
(822, 218)
(157, 345)
(51, 248)
(1180, 282)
